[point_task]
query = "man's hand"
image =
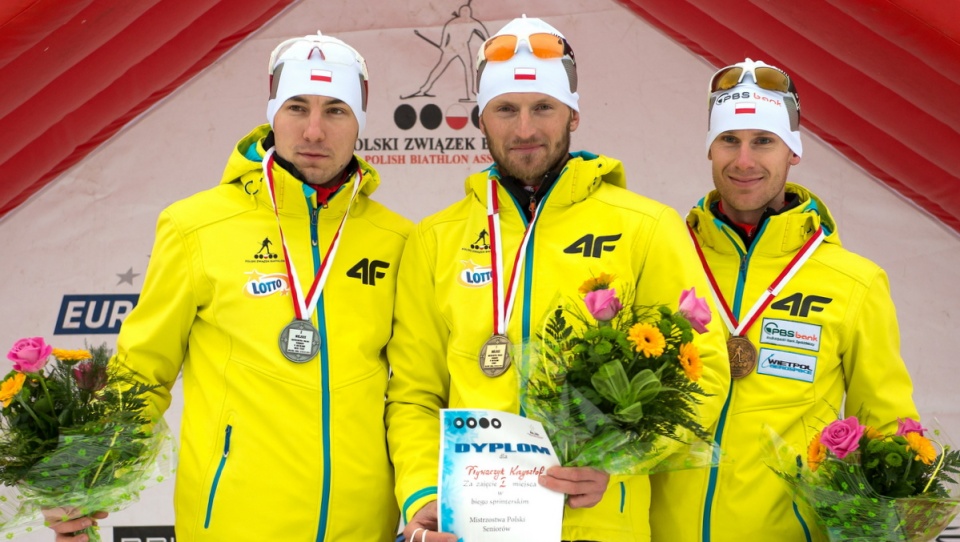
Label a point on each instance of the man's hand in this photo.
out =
(423, 527)
(66, 523)
(584, 486)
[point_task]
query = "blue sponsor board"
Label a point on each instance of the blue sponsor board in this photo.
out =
(93, 314)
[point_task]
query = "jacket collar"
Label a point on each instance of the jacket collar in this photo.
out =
(780, 234)
(582, 175)
(244, 167)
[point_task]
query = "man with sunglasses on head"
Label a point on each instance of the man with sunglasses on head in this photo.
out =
(283, 350)
(811, 326)
(562, 218)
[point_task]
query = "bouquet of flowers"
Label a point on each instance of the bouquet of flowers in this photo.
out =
(73, 437)
(615, 387)
(866, 485)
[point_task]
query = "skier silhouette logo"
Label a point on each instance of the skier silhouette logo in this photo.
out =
(455, 44)
(481, 242)
(265, 245)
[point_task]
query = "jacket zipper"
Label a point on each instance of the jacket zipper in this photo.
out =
(216, 477)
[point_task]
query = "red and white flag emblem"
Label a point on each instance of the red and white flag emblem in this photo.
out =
(745, 107)
(321, 75)
(528, 74)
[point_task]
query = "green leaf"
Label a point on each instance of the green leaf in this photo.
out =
(630, 414)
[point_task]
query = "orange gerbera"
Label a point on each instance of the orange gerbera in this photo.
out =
(602, 282)
(11, 387)
(871, 433)
(71, 356)
(647, 340)
(816, 453)
(922, 446)
(690, 361)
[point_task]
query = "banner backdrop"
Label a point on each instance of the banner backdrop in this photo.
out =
(75, 254)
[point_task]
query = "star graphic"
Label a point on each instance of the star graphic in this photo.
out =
(127, 277)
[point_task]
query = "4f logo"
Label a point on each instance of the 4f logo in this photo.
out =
(368, 271)
(592, 247)
(801, 306)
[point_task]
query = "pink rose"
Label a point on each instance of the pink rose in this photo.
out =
(603, 304)
(29, 355)
(908, 425)
(695, 310)
(842, 436)
(90, 377)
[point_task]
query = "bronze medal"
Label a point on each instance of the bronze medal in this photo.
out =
(743, 356)
(299, 341)
(495, 356)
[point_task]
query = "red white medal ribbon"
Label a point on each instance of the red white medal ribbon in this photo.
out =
(304, 306)
(503, 304)
(740, 329)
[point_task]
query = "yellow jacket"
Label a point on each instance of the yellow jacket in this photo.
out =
(835, 318)
(589, 224)
(270, 449)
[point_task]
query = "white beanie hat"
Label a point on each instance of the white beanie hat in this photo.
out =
(525, 72)
(318, 66)
(746, 106)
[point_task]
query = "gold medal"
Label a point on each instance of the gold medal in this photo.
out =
(743, 356)
(299, 341)
(495, 356)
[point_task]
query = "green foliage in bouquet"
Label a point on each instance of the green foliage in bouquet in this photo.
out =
(612, 384)
(867, 485)
(73, 432)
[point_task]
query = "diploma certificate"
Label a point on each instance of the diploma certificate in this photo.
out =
(488, 490)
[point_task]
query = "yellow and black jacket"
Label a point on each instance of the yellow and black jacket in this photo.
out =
(271, 449)
(831, 331)
(588, 224)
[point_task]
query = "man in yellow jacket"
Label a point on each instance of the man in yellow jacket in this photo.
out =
(562, 219)
(827, 342)
(273, 294)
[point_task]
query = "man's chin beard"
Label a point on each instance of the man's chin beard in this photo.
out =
(530, 178)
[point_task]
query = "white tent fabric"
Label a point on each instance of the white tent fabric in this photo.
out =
(89, 233)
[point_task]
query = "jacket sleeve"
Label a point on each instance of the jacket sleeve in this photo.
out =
(878, 384)
(420, 382)
(153, 338)
(670, 266)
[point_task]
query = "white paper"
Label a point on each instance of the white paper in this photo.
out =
(488, 489)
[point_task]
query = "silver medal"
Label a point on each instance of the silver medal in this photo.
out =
(299, 341)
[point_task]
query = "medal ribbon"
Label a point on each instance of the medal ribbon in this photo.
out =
(304, 306)
(740, 329)
(503, 305)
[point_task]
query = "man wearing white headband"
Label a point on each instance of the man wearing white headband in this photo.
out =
(826, 343)
(576, 219)
(273, 294)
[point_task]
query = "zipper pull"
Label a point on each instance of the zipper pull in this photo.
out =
(313, 216)
(533, 204)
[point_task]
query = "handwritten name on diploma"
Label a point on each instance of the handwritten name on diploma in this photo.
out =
(489, 490)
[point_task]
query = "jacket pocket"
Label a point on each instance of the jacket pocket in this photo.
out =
(216, 477)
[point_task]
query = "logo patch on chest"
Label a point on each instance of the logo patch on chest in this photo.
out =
(787, 365)
(260, 285)
(792, 334)
(474, 275)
